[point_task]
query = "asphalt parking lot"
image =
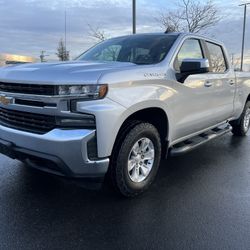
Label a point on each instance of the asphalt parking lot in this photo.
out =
(200, 200)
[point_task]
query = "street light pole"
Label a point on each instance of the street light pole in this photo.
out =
(65, 30)
(243, 37)
(134, 16)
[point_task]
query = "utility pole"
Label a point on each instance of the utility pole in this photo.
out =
(243, 37)
(134, 16)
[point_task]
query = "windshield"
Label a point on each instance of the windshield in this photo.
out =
(138, 49)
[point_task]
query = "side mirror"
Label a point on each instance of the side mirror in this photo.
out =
(194, 66)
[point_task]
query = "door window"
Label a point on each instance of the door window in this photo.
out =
(217, 59)
(191, 49)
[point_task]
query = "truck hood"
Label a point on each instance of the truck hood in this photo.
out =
(74, 72)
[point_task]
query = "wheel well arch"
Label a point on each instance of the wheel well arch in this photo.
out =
(156, 116)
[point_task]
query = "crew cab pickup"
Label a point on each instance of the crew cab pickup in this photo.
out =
(121, 106)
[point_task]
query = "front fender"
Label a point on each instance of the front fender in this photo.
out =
(110, 116)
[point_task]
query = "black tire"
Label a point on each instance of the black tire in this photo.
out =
(239, 128)
(133, 132)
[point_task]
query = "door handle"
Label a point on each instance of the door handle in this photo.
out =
(231, 82)
(208, 84)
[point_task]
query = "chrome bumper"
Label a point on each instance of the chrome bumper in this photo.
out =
(62, 152)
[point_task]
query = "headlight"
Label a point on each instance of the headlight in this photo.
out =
(95, 91)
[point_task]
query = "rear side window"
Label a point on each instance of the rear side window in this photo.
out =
(191, 49)
(217, 59)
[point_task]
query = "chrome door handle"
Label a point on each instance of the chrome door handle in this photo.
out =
(208, 84)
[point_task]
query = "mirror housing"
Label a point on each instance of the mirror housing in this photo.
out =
(194, 66)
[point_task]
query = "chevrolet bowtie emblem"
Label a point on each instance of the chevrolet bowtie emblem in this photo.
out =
(6, 100)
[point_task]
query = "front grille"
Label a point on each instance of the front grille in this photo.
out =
(30, 89)
(25, 121)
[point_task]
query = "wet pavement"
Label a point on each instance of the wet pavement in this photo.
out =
(200, 200)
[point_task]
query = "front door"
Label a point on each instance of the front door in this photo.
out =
(197, 106)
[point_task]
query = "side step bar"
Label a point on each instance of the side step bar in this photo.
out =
(192, 143)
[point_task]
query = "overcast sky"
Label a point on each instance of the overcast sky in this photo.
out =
(29, 26)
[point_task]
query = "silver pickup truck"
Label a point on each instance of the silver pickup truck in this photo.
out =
(121, 106)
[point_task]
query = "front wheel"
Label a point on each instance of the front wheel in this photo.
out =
(136, 159)
(241, 126)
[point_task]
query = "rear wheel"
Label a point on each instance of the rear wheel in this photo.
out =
(242, 125)
(136, 159)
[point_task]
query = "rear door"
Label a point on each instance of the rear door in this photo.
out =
(223, 79)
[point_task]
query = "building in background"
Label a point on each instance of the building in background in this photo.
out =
(6, 59)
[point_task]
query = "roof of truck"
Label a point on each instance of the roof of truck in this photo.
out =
(181, 34)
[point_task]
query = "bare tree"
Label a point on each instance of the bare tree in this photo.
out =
(190, 16)
(97, 33)
(62, 53)
(100, 36)
(170, 21)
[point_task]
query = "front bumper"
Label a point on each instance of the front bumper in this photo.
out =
(62, 152)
